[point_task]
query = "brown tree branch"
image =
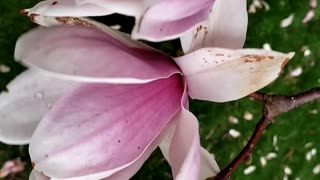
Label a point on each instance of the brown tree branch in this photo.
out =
(274, 105)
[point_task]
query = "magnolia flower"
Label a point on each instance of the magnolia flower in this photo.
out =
(159, 20)
(128, 99)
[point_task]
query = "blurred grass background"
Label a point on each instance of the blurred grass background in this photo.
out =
(291, 137)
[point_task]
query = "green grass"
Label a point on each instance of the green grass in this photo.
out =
(293, 130)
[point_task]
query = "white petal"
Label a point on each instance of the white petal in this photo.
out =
(226, 27)
(36, 175)
(209, 166)
(182, 150)
(67, 8)
(220, 75)
(29, 97)
(125, 7)
(185, 147)
(49, 21)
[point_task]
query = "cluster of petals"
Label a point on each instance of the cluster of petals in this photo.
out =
(94, 104)
(159, 20)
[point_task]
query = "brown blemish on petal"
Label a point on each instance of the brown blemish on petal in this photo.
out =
(33, 164)
(54, 3)
(76, 21)
(198, 29)
(219, 54)
(24, 12)
(285, 62)
(201, 29)
(253, 58)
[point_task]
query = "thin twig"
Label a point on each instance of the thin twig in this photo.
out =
(274, 105)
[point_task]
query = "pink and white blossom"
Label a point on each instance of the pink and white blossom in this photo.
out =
(200, 22)
(128, 100)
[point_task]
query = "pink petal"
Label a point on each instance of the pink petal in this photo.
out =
(128, 172)
(29, 97)
(185, 147)
(221, 75)
(85, 54)
(67, 8)
(181, 147)
(49, 21)
(226, 27)
(102, 128)
(125, 173)
(169, 19)
(207, 167)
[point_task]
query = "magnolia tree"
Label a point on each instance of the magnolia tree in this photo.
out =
(94, 102)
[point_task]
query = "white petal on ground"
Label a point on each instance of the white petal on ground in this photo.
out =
(263, 161)
(271, 155)
(287, 21)
(287, 170)
(313, 3)
(233, 120)
(309, 16)
(4, 68)
(296, 72)
(316, 169)
(249, 170)
(248, 116)
(234, 133)
(267, 46)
